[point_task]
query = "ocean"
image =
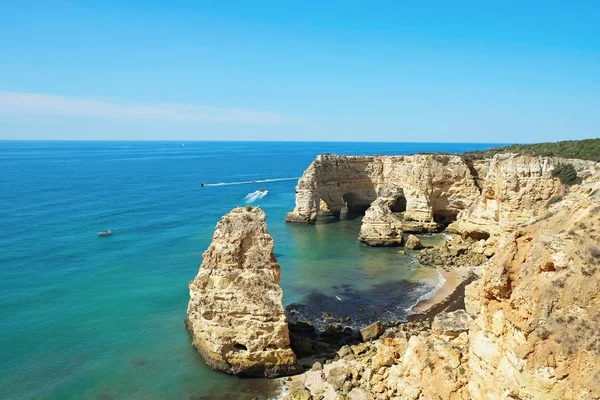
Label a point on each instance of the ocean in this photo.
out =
(88, 317)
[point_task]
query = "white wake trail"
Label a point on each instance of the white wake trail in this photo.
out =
(259, 194)
(249, 182)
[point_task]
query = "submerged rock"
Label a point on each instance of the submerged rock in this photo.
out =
(235, 314)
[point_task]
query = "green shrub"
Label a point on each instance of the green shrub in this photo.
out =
(249, 207)
(566, 173)
(587, 149)
(442, 159)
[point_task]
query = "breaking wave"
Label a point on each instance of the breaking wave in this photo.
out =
(259, 194)
(429, 294)
(249, 182)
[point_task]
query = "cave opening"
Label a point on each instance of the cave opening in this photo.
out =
(476, 235)
(444, 217)
(399, 205)
(240, 347)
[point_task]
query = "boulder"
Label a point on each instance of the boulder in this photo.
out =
(235, 313)
(337, 376)
(372, 331)
(359, 394)
(298, 393)
(451, 323)
(413, 243)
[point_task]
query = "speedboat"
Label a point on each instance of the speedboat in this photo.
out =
(107, 232)
(262, 190)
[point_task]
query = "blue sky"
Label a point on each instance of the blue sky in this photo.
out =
(460, 71)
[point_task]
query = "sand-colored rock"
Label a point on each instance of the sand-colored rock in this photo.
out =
(413, 243)
(372, 331)
(426, 188)
(451, 323)
(530, 326)
(235, 313)
(479, 198)
(515, 190)
(535, 335)
(381, 227)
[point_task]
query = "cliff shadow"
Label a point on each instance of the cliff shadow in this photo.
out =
(325, 322)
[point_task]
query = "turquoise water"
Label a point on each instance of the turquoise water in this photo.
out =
(102, 318)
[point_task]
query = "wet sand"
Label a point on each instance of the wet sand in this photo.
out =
(449, 297)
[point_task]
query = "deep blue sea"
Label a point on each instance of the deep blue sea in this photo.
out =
(102, 318)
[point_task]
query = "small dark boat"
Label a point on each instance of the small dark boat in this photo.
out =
(203, 184)
(262, 190)
(107, 232)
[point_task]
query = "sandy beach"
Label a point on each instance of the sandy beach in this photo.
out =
(452, 291)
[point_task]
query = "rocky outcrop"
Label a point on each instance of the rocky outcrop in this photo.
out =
(428, 189)
(457, 253)
(536, 308)
(515, 190)
(480, 199)
(413, 243)
(235, 314)
(529, 328)
(381, 227)
(399, 365)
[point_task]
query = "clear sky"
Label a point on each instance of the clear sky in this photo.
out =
(452, 71)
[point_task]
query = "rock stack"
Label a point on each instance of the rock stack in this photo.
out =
(235, 314)
(380, 227)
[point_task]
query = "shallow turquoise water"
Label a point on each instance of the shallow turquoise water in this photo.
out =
(102, 318)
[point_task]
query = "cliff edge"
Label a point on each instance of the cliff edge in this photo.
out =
(530, 323)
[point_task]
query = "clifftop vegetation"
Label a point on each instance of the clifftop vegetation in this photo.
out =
(587, 149)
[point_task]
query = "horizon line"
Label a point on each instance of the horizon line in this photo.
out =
(256, 141)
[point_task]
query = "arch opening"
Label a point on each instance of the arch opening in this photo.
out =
(354, 204)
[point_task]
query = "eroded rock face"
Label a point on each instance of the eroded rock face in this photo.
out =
(530, 326)
(380, 227)
(515, 190)
(235, 314)
(536, 308)
(427, 188)
(480, 199)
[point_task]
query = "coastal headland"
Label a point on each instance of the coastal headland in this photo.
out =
(517, 314)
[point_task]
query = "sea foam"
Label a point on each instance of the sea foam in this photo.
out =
(429, 294)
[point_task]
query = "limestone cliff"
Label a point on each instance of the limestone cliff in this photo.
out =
(530, 326)
(235, 313)
(537, 310)
(514, 192)
(427, 189)
(478, 198)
